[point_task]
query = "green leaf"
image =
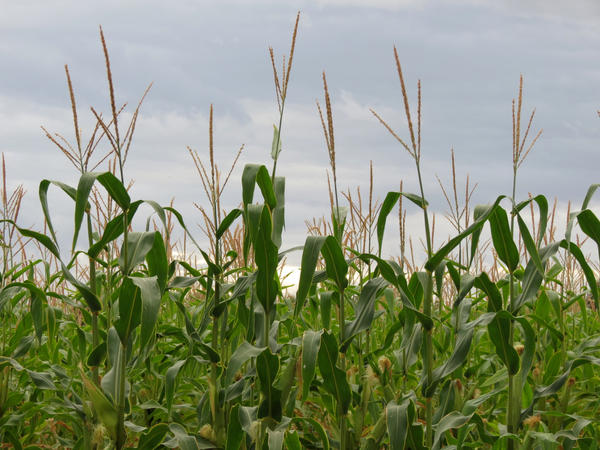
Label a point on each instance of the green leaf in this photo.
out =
(311, 343)
(156, 260)
(267, 366)
(278, 210)
(292, 440)
(335, 264)
(114, 229)
(84, 187)
(310, 256)
(388, 204)
(170, 381)
(364, 310)
(334, 378)
(397, 423)
(184, 440)
(585, 267)
(252, 175)
(542, 203)
(150, 297)
(130, 308)
(450, 421)
(152, 438)
(235, 433)
(265, 256)
(501, 237)
(482, 214)
(97, 355)
(530, 245)
(227, 221)
(276, 144)
(43, 194)
(104, 408)
(42, 380)
(242, 354)
(138, 246)
(499, 328)
(115, 189)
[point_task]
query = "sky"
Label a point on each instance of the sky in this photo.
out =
(468, 54)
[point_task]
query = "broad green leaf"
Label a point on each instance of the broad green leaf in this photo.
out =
(170, 381)
(242, 354)
(156, 260)
(265, 256)
(585, 267)
(388, 204)
(503, 241)
(114, 229)
(43, 195)
(558, 383)
(252, 175)
(529, 349)
(84, 187)
(138, 246)
(310, 256)
(42, 380)
(364, 310)
(115, 189)
(278, 210)
(530, 245)
(482, 213)
(235, 433)
(335, 264)
(292, 440)
(184, 440)
(130, 308)
(532, 278)
(152, 438)
(499, 328)
(227, 221)
(150, 297)
(397, 423)
(104, 408)
(267, 366)
(449, 422)
(311, 343)
(334, 379)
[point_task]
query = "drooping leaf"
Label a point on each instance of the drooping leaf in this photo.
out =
(334, 378)
(150, 299)
(130, 308)
(138, 246)
(267, 366)
(364, 310)
(397, 423)
(311, 343)
(310, 256)
(503, 241)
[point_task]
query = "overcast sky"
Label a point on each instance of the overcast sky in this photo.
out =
(468, 55)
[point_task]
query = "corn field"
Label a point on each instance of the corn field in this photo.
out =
(137, 336)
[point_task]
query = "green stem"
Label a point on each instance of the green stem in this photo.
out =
(95, 332)
(121, 374)
(341, 416)
(427, 309)
(514, 392)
